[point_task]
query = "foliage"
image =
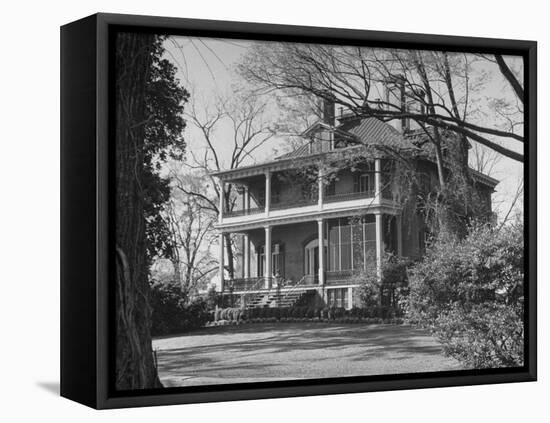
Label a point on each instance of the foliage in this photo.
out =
(173, 312)
(165, 98)
(235, 315)
(470, 292)
(212, 298)
(385, 297)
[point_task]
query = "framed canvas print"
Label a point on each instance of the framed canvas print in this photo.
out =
(255, 211)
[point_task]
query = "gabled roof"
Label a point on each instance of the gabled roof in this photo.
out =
(373, 131)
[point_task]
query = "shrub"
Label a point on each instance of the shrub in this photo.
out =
(173, 313)
(388, 294)
(212, 298)
(470, 292)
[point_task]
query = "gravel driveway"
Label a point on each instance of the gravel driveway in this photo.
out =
(264, 352)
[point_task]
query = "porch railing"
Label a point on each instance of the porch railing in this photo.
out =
(245, 284)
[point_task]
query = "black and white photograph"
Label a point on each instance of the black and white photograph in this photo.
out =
(303, 211)
(245, 211)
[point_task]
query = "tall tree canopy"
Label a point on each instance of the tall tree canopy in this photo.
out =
(441, 92)
(442, 82)
(149, 127)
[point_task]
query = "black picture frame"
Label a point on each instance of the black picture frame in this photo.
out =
(86, 206)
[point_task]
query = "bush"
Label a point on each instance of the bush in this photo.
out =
(172, 313)
(470, 292)
(381, 298)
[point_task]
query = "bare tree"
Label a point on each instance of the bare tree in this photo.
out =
(230, 133)
(190, 235)
(439, 91)
(484, 160)
(355, 75)
(515, 209)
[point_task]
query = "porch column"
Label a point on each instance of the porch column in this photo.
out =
(267, 253)
(221, 206)
(399, 229)
(320, 189)
(267, 192)
(321, 229)
(246, 257)
(377, 181)
(221, 264)
(246, 199)
(379, 243)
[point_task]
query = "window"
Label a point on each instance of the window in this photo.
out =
(275, 194)
(345, 247)
(352, 245)
(330, 189)
(277, 260)
(334, 248)
(363, 180)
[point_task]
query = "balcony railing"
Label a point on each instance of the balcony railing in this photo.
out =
(300, 202)
(344, 196)
(244, 212)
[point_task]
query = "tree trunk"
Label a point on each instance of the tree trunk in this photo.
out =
(135, 368)
(230, 257)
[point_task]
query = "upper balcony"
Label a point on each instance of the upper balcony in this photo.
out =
(261, 198)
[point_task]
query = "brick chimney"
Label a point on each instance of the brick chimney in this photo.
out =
(329, 113)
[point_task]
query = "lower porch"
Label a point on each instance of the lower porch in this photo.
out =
(322, 256)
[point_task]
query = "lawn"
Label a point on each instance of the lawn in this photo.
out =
(265, 352)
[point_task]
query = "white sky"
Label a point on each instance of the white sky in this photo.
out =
(206, 67)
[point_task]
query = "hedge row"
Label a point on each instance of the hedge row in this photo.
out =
(349, 320)
(293, 313)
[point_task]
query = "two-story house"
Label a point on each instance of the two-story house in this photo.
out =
(304, 241)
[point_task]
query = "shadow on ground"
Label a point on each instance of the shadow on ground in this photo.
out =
(51, 387)
(299, 350)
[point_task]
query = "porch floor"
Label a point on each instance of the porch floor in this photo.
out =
(265, 352)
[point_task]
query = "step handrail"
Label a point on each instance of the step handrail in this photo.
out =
(255, 287)
(293, 289)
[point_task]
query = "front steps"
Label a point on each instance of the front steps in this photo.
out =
(279, 299)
